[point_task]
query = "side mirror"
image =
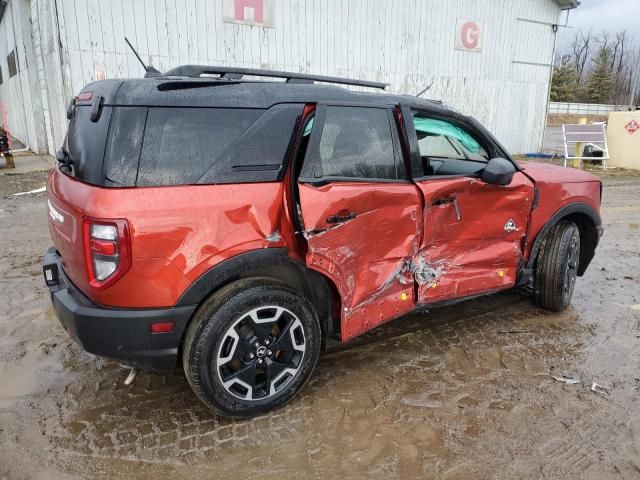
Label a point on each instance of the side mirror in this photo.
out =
(498, 172)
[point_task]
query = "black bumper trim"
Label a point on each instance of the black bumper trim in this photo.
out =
(123, 334)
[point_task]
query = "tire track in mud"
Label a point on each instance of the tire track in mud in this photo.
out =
(577, 440)
(160, 421)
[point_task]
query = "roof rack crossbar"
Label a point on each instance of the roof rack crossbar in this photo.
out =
(291, 77)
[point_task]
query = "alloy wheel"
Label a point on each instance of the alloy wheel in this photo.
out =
(571, 269)
(261, 353)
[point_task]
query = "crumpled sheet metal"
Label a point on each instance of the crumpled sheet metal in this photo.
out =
(476, 254)
(404, 248)
(364, 256)
(177, 233)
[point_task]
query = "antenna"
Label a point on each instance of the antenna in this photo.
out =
(425, 90)
(149, 70)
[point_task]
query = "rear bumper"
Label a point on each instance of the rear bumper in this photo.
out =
(115, 332)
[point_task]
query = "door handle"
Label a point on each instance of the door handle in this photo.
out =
(444, 201)
(340, 218)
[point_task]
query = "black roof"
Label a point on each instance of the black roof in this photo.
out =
(229, 93)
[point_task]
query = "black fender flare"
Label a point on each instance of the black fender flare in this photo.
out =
(570, 209)
(231, 269)
(270, 262)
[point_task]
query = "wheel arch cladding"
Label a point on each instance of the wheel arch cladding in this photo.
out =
(588, 221)
(271, 263)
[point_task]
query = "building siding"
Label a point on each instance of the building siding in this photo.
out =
(18, 100)
(408, 44)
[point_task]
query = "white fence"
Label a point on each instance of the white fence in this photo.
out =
(583, 108)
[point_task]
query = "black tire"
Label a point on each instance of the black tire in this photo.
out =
(210, 340)
(557, 265)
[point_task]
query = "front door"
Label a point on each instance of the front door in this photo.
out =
(474, 233)
(361, 216)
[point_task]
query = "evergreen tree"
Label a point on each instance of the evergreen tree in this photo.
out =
(564, 83)
(601, 81)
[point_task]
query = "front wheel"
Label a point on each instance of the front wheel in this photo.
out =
(557, 267)
(251, 347)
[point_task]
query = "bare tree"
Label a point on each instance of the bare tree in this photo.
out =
(617, 50)
(604, 39)
(581, 51)
(625, 71)
(623, 62)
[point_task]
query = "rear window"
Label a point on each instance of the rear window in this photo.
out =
(85, 143)
(175, 145)
(124, 145)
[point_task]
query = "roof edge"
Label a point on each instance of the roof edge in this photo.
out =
(568, 4)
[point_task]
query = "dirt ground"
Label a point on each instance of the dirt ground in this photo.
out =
(463, 392)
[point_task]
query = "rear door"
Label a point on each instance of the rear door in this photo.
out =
(361, 215)
(474, 233)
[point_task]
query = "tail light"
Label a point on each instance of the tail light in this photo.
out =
(107, 250)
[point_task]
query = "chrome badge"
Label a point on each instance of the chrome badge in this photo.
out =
(510, 226)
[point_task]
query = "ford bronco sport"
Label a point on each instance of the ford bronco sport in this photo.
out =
(237, 223)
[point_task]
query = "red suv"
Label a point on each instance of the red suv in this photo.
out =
(239, 224)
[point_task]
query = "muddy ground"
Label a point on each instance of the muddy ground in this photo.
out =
(463, 392)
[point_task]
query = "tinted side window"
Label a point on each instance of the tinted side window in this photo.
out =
(356, 142)
(259, 153)
(123, 147)
(86, 143)
(181, 144)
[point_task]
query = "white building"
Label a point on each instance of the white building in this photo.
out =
(488, 58)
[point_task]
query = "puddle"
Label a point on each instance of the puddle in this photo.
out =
(30, 374)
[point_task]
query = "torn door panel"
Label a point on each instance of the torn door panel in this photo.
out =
(386, 305)
(445, 271)
(378, 223)
(362, 254)
(394, 297)
(473, 236)
(484, 209)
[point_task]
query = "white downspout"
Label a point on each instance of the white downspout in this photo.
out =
(24, 113)
(553, 64)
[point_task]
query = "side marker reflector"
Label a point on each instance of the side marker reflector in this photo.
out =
(163, 327)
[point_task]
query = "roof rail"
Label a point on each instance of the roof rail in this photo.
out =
(232, 73)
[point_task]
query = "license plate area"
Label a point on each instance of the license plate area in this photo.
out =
(50, 275)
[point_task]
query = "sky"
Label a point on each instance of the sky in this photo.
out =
(609, 15)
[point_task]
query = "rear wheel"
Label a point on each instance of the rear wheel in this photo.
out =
(251, 347)
(557, 267)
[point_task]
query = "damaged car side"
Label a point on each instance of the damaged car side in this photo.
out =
(239, 224)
